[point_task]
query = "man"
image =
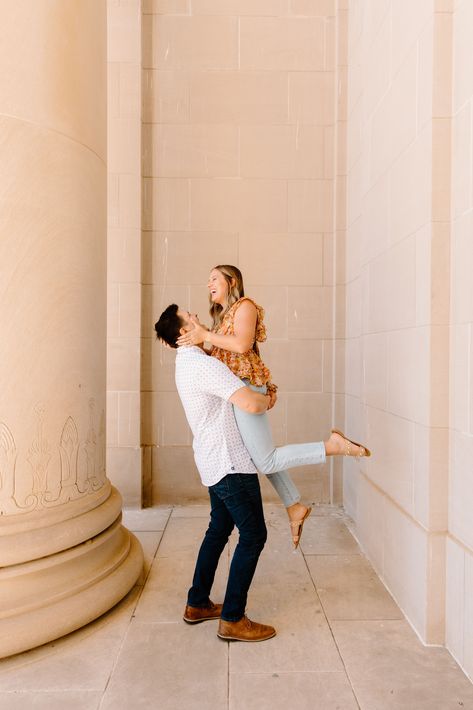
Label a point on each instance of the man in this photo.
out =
(208, 390)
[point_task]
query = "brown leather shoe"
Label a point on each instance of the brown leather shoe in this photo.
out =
(194, 614)
(244, 630)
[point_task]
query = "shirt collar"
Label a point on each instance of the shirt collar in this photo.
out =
(189, 349)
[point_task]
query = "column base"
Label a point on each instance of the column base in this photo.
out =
(49, 597)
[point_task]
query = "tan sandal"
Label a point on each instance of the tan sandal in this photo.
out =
(298, 525)
(364, 449)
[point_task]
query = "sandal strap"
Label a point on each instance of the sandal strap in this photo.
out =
(348, 449)
(348, 443)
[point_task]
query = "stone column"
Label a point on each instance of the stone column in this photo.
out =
(64, 556)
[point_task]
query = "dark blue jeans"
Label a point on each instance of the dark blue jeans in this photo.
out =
(235, 500)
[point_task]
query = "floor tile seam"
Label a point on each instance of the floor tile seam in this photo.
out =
(140, 622)
(176, 556)
(55, 643)
(131, 618)
(369, 574)
(392, 621)
(286, 672)
(330, 620)
(117, 654)
(345, 670)
(49, 691)
(368, 618)
(334, 554)
(154, 530)
(155, 556)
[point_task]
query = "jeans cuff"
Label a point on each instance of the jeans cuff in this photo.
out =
(232, 620)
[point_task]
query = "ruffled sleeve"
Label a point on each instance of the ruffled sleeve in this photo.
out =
(260, 333)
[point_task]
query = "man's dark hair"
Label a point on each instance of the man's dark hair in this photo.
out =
(168, 326)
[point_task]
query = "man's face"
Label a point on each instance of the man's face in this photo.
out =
(185, 317)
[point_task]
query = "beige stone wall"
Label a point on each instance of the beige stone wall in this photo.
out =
(325, 148)
(239, 119)
(459, 610)
(397, 298)
(124, 454)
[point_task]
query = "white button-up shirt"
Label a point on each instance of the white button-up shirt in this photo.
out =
(205, 385)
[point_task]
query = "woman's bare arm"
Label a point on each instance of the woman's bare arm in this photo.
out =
(244, 327)
(250, 401)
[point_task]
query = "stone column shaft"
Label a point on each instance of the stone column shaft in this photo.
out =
(64, 556)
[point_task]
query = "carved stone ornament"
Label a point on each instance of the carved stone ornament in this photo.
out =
(70, 482)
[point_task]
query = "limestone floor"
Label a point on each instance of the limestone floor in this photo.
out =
(342, 642)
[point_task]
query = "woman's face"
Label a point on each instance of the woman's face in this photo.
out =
(218, 287)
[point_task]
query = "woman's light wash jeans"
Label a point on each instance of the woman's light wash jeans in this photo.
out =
(255, 431)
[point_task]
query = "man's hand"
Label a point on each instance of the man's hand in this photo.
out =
(273, 398)
(196, 336)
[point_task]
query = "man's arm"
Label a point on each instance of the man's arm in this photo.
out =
(213, 377)
(250, 401)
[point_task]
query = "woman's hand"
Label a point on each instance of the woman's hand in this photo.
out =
(196, 336)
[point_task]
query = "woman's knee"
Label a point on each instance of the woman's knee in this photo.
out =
(268, 465)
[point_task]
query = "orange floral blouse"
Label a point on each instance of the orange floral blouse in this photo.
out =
(245, 365)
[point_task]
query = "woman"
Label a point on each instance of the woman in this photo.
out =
(237, 327)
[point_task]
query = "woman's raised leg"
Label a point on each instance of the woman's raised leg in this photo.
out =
(257, 437)
(256, 433)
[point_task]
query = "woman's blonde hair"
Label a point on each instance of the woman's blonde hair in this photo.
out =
(236, 291)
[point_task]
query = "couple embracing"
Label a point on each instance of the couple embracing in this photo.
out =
(226, 393)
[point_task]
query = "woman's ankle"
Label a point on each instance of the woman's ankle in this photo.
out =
(333, 446)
